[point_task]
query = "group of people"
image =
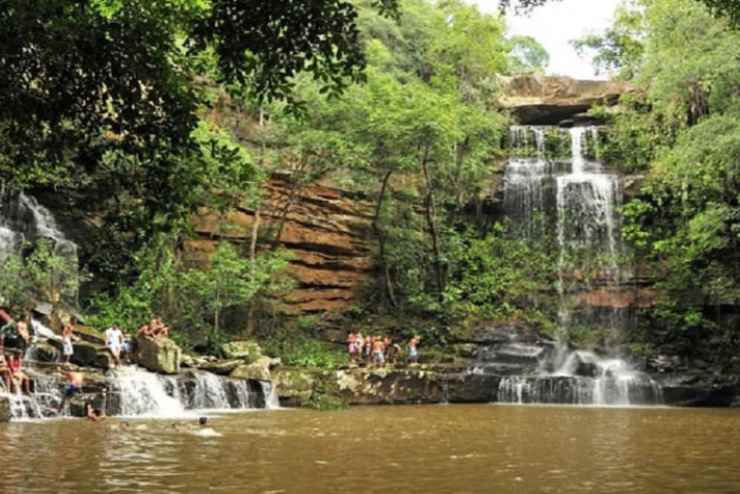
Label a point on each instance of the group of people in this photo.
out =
(154, 329)
(379, 350)
(17, 337)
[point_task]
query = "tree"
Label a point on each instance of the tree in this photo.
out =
(527, 55)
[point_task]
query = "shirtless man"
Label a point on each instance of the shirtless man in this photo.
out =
(145, 331)
(73, 387)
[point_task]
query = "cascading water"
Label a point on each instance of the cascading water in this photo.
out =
(141, 393)
(586, 202)
(24, 221)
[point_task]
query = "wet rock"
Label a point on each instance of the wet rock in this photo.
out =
(158, 355)
(249, 351)
(222, 368)
(259, 370)
(294, 386)
(389, 386)
(696, 390)
(45, 352)
(471, 388)
(4, 409)
(91, 355)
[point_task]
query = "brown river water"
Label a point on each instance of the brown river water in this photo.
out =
(425, 449)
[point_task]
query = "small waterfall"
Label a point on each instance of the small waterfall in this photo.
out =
(42, 403)
(210, 392)
(142, 393)
(146, 394)
(584, 379)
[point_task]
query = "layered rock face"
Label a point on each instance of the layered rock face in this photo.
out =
(549, 100)
(326, 230)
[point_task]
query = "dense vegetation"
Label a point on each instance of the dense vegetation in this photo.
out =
(139, 113)
(681, 129)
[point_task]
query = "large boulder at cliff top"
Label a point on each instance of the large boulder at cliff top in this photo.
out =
(158, 355)
(549, 100)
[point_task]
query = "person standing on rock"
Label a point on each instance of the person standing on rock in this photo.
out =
(413, 350)
(67, 336)
(114, 343)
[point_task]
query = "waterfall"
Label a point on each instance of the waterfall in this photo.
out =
(146, 394)
(24, 221)
(42, 403)
(580, 207)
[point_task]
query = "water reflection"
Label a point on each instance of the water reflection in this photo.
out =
(462, 449)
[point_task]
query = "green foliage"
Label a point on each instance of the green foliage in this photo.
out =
(296, 349)
(620, 47)
(44, 275)
(191, 299)
(527, 55)
(494, 276)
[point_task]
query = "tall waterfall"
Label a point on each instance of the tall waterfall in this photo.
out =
(578, 202)
(24, 221)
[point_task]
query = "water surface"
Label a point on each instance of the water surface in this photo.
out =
(430, 449)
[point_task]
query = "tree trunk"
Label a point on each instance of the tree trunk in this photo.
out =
(251, 323)
(429, 212)
(380, 235)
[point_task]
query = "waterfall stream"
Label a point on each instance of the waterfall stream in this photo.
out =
(580, 202)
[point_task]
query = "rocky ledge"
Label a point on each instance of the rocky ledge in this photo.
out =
(556, 100)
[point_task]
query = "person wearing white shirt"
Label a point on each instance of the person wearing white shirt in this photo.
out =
(114, 343)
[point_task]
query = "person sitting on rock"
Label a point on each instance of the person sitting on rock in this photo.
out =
(4, 370)
(21, 382)
(159, 328)
(73, 387)
(144, 331)
(67, 337)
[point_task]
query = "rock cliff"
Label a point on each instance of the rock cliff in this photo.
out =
(550, 100)
(326, 229)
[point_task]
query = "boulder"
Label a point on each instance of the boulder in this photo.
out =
(43, 351)
(248, 351)
(158, 355)
(4, 409)
(259, 370)
(294, 386)
(91, 355)
(471, 388)
(551, 100)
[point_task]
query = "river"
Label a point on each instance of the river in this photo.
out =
(424, 449)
